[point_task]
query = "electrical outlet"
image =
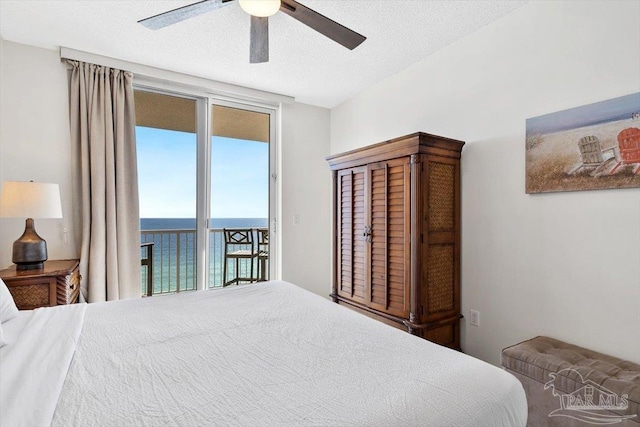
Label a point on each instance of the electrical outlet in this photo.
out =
(475, 318)
(296, 219)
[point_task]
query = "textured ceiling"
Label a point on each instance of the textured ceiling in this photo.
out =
(303, 63)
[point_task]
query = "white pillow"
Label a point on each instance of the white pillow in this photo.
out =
(8, 309)
(2, 341)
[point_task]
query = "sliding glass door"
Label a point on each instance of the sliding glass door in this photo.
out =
(204, 166)
(240, 143)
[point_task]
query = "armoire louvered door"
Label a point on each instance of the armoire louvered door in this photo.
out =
(390, 221)
(352, 252)
(374, 210)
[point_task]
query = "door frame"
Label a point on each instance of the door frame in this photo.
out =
(204, 102)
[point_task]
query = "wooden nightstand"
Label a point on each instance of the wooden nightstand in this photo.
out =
(58, 283)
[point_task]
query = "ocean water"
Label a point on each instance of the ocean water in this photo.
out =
(174, 252)
(190, 223)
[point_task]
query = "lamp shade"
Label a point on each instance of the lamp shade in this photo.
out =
(30, 200)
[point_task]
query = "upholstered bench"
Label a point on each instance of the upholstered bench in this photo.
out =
(567, 385)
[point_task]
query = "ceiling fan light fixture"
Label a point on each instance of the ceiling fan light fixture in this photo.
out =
(261, 8)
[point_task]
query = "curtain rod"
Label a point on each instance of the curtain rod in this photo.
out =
(211, 86)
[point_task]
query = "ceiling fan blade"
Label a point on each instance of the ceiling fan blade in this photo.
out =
(182, 13)
(336, 32)
(259, 49)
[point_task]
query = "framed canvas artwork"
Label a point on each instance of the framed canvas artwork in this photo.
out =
(592, 147)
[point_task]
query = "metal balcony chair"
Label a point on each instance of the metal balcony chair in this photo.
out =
(147, 261)
(263, 252)
(238, 244)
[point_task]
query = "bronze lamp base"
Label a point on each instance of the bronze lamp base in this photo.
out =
(30, 250)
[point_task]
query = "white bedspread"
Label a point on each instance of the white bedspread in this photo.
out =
(33, 367)
(271, 354)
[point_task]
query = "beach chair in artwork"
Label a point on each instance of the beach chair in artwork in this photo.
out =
(238, 245)
(629, 148)
(592, 157)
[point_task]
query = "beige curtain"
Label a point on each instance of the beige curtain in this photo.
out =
(102, 120)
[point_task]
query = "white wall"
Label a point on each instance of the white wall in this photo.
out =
(34, 139)
(35, 144)
(565, 265)
(306, 184)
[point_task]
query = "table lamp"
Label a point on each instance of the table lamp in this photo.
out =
(30, 200)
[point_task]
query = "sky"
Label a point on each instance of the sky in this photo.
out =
(167, 175)
(615, 109)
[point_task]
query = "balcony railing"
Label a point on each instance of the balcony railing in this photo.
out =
(173, 261)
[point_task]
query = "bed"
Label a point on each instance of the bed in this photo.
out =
(264, 354)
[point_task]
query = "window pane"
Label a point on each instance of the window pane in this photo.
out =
(166, 145)
(239, 188)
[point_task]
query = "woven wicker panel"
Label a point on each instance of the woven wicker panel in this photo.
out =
(440, 279)
(31, 295)
(441, 196)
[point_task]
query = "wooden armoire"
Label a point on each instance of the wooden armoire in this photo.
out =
(397, 234)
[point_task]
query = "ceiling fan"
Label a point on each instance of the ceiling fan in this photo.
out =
(260, 10)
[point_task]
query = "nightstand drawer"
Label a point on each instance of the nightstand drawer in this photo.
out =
(29, 294)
